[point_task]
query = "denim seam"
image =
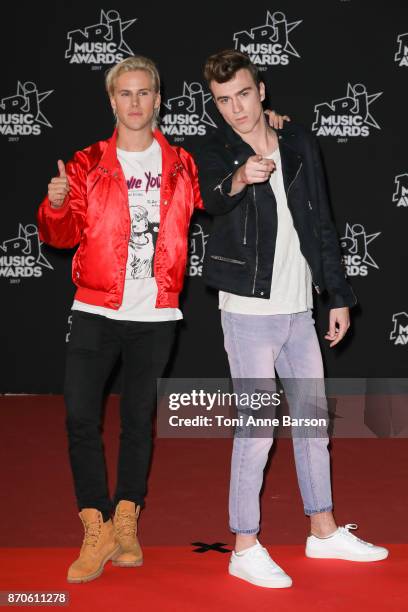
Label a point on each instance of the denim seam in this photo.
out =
(307, 444)
(276, 356)
(243, 451)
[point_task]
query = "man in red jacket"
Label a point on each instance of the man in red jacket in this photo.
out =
(127, 202)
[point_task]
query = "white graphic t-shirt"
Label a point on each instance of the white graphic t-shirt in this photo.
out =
(291, 289)
(142, 170)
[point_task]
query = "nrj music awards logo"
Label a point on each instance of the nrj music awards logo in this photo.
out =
(399, 334)
(21, 257)
(401, 56)
(187, 115)
(198, 240)
(100, 43)
(400, 195)
(21, 115)
(348, 116)
(268, 44)
(354, 245)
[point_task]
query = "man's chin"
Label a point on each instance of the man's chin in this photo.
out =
(243, 128)
(137, 126)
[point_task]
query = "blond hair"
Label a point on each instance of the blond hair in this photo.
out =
(134, 62)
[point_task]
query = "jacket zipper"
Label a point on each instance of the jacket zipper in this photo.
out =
(317, 288)
(246, 223)
(175, 173)
(219, 186)
(256, 240)
(294, 179)
(354, 295)
(228, 259)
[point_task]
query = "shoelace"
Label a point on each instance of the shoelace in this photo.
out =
(352, 526)
(263, 554)
(126, 524)
(92, 532)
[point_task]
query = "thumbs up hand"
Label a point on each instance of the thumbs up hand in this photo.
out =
(58, 188)
(61, 168)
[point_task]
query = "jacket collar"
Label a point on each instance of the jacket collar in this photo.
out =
(291, 159)
(171, 167)
(291, 162)
(233, 142)
(171, 164)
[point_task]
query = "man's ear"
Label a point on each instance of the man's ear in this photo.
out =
(262, 91)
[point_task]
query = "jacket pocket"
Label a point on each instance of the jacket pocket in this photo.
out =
(228, 260)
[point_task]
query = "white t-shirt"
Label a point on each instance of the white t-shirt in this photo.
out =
(142, 170)
(291, 289)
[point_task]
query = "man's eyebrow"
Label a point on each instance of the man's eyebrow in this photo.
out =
(237, 94)
(129, 90)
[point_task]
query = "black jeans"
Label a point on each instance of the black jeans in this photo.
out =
(95, 345)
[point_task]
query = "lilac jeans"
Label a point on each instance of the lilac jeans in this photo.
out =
(257, 345)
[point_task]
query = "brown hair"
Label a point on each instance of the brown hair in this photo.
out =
(222, 66)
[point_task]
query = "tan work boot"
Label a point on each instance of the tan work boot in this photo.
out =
(125, 524)
(98, 547)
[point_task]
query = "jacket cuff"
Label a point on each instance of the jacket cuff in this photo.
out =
(340, 300)
(55, 212)
(225, 187)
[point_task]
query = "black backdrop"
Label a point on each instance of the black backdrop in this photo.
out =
(339, 67)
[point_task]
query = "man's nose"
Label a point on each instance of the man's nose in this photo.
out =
(135, 100)
(236, 106)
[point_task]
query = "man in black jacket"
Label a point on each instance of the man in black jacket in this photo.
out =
(272, 239)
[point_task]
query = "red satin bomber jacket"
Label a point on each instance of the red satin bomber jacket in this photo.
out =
(95, 214)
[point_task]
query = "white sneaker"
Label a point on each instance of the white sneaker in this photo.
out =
(344, 545)
(256, 566)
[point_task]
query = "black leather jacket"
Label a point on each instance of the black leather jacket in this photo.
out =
(240, 251)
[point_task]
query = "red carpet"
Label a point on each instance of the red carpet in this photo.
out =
(188, 485)
(176, 579)
(187, 502)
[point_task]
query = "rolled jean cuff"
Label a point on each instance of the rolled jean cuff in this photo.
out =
(326, 509)
(245, 531)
